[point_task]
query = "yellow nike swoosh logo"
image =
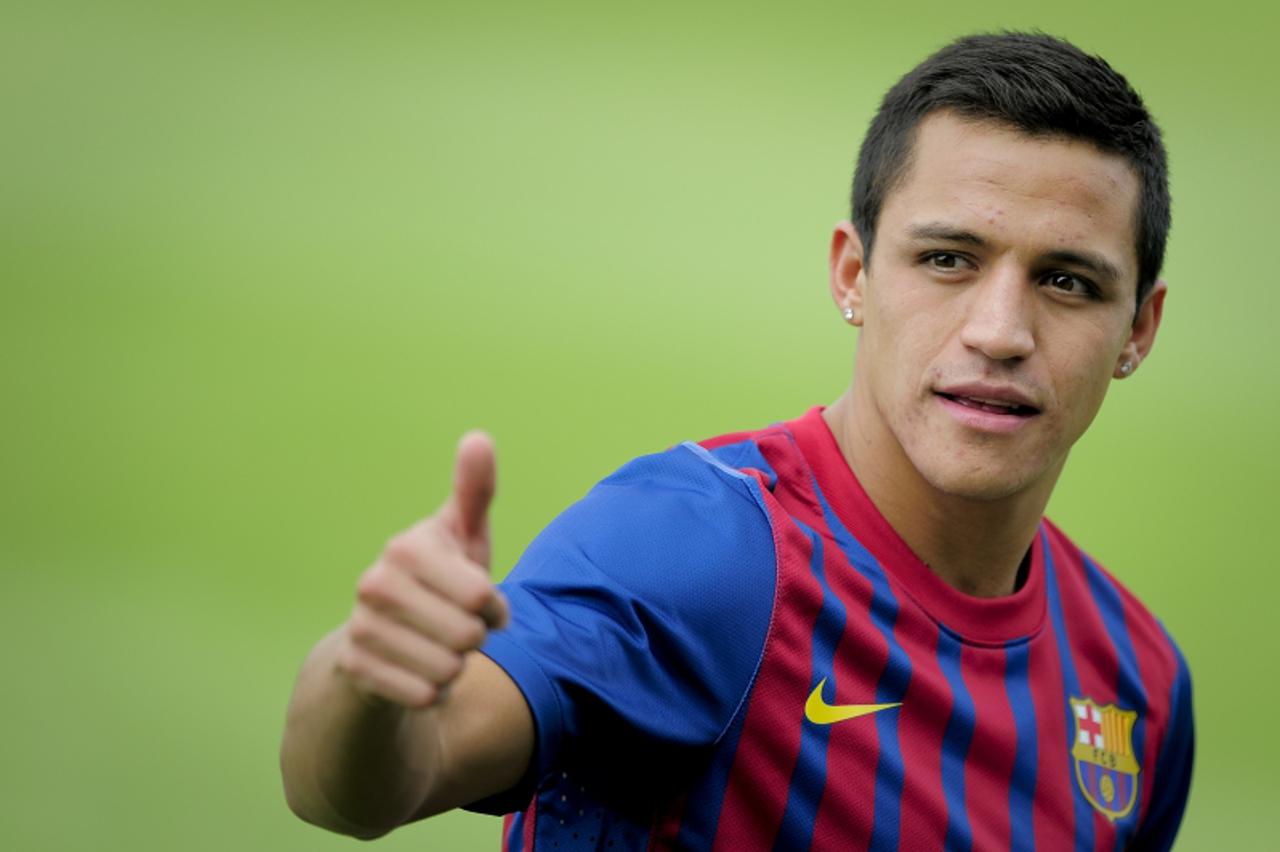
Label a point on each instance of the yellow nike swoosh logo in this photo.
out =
(819, 712)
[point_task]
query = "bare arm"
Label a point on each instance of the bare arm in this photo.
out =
(395, 716)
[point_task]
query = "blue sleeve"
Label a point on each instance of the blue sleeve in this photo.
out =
(1173, 770)
(639, 615)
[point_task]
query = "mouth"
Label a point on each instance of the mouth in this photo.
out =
(991, 405)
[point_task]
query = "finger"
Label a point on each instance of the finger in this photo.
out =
(377, 677)
(403, 647)
(496, 612)
(422, 609)
(431, 556)
(475, 480)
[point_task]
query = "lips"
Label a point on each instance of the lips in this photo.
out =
(991, 399)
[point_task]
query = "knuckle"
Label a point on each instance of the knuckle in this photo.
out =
(433, 535)
(401, 549)
(469, 634)
(348, 662)
(375, 586)
(422, 695)
(451, 668)
(361, 628)
(475, 594)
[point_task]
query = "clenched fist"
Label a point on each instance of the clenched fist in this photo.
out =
(428, 600)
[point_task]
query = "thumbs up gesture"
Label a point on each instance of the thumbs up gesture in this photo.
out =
(428, 599)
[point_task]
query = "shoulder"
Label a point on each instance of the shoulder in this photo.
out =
(687, 528)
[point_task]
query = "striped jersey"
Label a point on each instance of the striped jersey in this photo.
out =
(726, 646)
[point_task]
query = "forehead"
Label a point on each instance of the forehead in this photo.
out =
(1052, 191)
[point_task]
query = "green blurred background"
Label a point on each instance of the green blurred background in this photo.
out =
(262, 264)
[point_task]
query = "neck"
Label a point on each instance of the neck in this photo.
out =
(975, 545)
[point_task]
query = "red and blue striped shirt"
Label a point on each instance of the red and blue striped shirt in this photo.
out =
(726, 646)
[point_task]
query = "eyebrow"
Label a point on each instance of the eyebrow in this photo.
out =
(946, 233)
(1091, 261)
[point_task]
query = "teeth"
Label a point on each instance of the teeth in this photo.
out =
(1000, 403)
(989, 404)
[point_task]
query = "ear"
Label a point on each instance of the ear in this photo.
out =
(1143, 334)
(848, 272)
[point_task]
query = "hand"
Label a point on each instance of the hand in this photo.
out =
(428, 600)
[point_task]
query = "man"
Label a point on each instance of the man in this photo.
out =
(853, 630)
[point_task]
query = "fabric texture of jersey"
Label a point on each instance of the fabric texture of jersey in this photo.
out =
(726, 646)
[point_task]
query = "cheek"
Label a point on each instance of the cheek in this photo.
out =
(902, 361)
(1082, 393)
(1083, 355)
(906, 331)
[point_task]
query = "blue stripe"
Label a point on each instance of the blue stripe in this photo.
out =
(955, 746)
(1083, 810)
(810, 774)
(893, 682)
(1022, 783)
(1131, 694)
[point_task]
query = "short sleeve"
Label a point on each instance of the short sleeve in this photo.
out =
(1173, 770)
(639, 616)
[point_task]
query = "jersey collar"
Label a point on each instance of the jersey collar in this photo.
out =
(990, 621)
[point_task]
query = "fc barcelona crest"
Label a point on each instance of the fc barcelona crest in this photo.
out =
(1106, 767)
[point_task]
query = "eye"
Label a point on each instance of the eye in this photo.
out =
(945, 261)
(1070, 284)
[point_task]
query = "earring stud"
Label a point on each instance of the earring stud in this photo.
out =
(848, 314)
(1126, 368)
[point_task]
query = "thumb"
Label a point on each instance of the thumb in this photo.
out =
(475, 479)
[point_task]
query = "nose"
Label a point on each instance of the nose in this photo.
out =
(999, 317)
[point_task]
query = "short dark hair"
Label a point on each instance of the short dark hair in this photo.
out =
(1041, 85)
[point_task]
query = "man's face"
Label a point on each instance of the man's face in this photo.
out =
(997, 306)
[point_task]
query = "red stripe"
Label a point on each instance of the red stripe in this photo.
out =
(1053, 808)
(988, 770)
(530, 825)
(923, 722)
(769, 745)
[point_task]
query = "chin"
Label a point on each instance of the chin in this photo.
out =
(982, 482)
